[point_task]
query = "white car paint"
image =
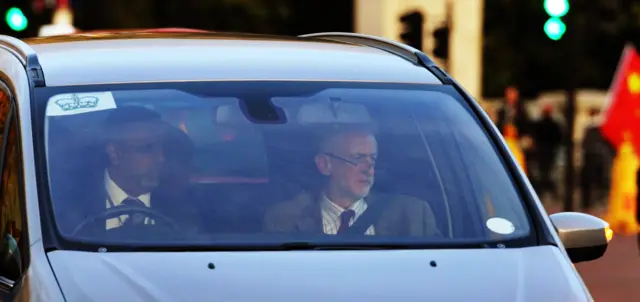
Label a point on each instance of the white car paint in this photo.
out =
(511, 275)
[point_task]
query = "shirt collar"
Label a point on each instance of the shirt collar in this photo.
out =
(117, 195)
(329, 206)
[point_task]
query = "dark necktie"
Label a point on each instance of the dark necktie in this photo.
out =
(345, 218)
(134, 219)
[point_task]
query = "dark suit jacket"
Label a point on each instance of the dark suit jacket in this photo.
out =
(87, 199)
(402, 216)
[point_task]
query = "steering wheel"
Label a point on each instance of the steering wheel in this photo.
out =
(118, 211)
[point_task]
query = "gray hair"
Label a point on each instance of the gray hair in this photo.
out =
(333, 136)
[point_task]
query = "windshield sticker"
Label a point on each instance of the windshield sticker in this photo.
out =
(500, 226)
(76, 103)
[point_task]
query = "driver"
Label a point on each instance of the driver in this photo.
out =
(134, 145)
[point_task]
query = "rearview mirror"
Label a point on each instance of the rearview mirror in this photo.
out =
(585, 237)
(233, 115)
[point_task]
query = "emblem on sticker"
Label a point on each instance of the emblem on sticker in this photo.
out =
(77, 103)
(500, 226)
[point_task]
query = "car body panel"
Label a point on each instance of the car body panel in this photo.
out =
(39, 282)
(19, 83)
(514, 275)
(192, 59)
(538, 207)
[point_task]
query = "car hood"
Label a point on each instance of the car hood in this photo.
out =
(526, 274)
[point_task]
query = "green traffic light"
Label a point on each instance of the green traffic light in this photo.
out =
(554, 28)
(16, 19)
(556, 8)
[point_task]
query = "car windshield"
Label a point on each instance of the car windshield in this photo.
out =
(273, 164)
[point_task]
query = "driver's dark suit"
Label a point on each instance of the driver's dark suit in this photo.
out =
(89, 198)
(116, 196)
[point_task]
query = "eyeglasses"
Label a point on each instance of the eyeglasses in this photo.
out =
(357, 160)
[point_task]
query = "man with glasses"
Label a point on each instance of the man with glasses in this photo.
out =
(347, 159)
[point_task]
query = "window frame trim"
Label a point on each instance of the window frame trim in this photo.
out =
(57, 240)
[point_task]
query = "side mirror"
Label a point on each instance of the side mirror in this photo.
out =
(10, 260)
(585, 237)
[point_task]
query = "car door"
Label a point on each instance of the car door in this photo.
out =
(13, 236)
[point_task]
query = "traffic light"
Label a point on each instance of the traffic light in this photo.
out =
(441, 42)
(555, 27)
(412, 33)
(16, 20)
(21, 19)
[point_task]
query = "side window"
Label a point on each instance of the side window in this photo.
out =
(11, 223)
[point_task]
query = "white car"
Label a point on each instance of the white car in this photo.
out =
(196, 166)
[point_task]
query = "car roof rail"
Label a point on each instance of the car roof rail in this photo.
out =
(399, 49)
(26, 55)
(402, 50)
(19, 48)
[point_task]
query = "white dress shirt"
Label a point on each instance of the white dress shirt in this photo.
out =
(331, 215)
(116, 196)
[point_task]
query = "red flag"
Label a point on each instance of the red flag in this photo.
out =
(622, 113)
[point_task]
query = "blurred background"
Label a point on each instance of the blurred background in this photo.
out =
(544, 70)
